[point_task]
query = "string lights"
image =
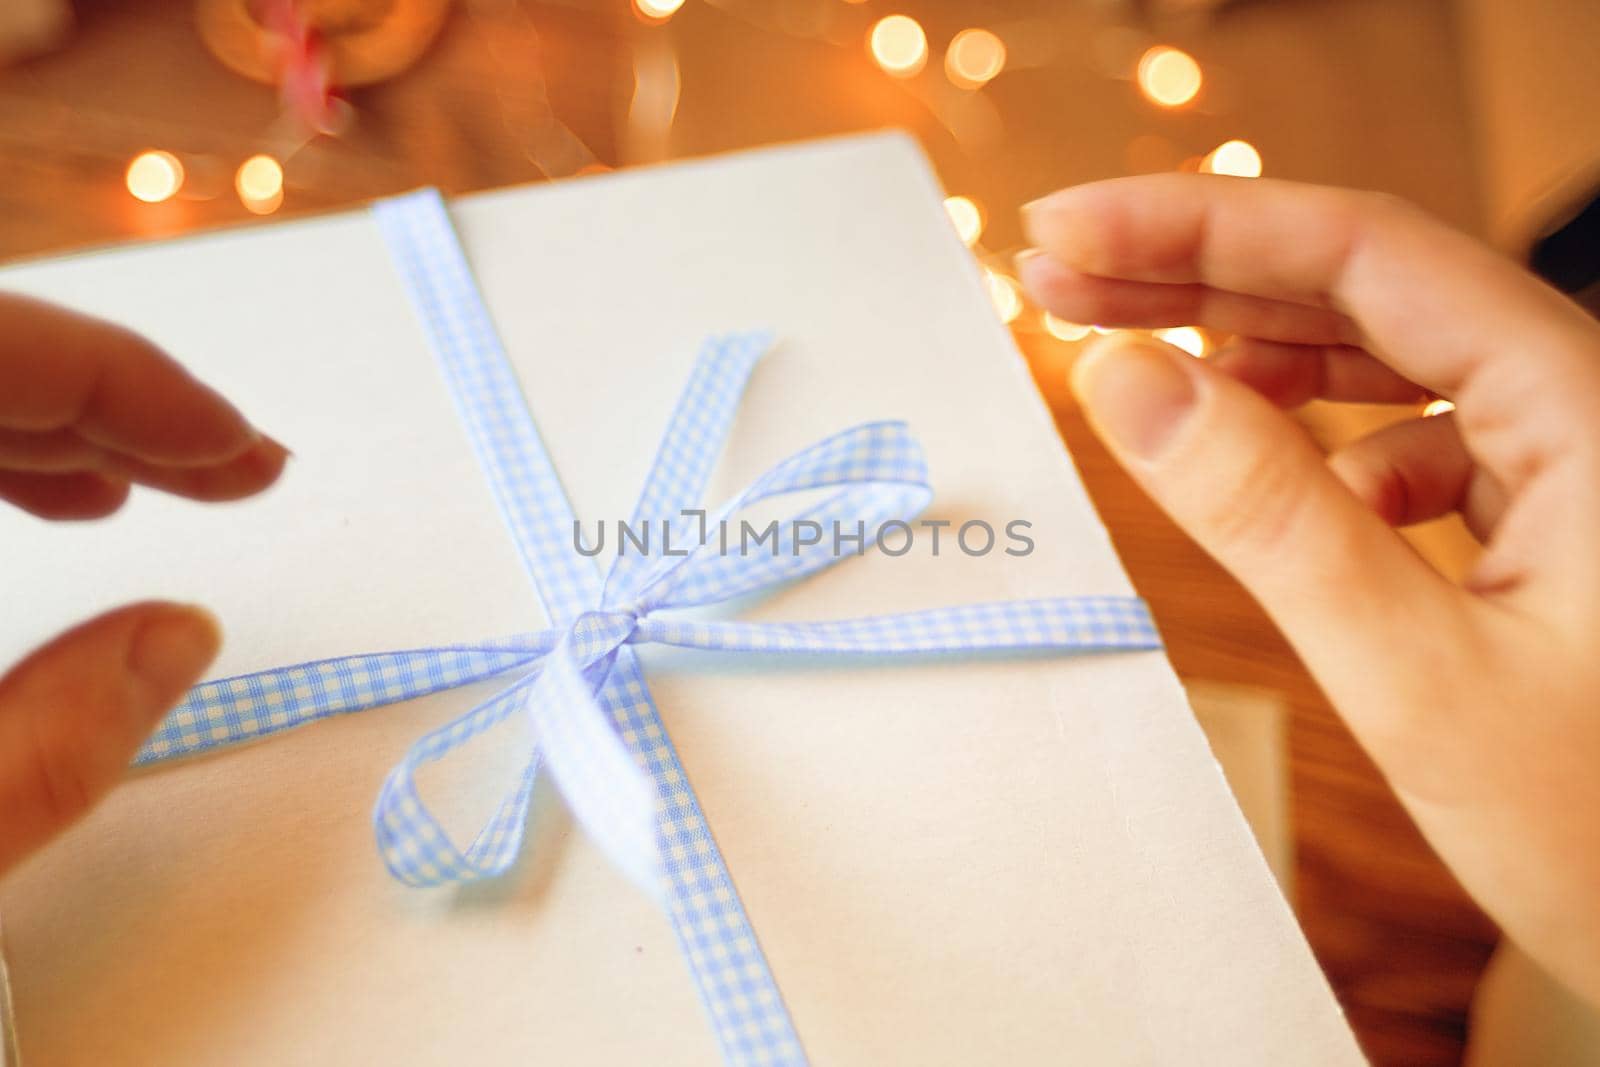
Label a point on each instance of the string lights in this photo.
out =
(656, 10)
(259, 183)
(974, 58)
(154, 176)
(1062, 330)
(1168, 77)
(1005, 294)
(1187, 338)
(1238, 158)
(966, 216)
(898, 45)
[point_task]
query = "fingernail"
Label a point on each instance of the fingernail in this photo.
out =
(1041, 275)
(171, 649)
(276, 449)
(1136, 394)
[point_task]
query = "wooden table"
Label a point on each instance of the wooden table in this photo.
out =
(1401, 944)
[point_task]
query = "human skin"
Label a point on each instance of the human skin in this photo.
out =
(87, 411)
(1480, 701)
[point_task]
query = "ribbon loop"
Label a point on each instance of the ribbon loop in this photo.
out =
(693, 439)
(879, 473)
(414, 844)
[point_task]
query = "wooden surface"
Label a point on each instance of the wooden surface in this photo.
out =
(1361, 93)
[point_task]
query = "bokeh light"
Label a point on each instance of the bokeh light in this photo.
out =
(1187, 338)
(898, 45)
(1238, 158)
(974, 57)
(155, 176)
(1168, 76)
(259, 183)
(1438, 407)
(1064, 330)
(656, 10)
(966, 216)
(1005, 294)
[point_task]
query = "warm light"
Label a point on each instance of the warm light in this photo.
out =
(155, 176)
(1103, 330)
(1064, 330)
(1438, 407)
(1169, 77)
(260, 184)
(656, 10)
(1006, 296)
(898, 45)
(1187, 338)
(974, 57)
(966, 216)
(1238, 158)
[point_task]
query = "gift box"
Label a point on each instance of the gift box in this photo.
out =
(506, 763)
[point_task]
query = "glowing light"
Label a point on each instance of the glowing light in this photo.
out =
(1169, 77)
(155, 176)
(259, 183)
(1438, 407)
(1187, 338)
(1103, 330)
(1238, 158)
(1064, 330)
(974, 57)
(656, 10)
(966, 216)
(898, 45)
(1006, 296)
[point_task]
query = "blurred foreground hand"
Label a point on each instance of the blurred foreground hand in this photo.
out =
(86, 409)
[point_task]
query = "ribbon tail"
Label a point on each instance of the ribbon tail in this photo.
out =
(1085, 624)
(609, 794)
(230, 710)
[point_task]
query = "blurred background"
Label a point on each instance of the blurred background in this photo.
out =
(139, 119)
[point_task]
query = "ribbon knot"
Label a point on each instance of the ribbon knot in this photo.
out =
(597, 634)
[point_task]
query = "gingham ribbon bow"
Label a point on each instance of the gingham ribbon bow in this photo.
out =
(870, 475)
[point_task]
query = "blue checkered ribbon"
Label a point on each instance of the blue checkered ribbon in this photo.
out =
(576, 684)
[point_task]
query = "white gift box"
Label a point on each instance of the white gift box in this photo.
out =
(1029, 859)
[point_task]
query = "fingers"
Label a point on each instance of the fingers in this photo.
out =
(1246, 483)
(73, 714)
(60, 479)
(1290, 375)
(75, 496)
(1441, 309)
(1417, 470)
(87, 407)
(63, 371)
(1079, 297)
(244, 475)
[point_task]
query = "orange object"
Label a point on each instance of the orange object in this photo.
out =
(361, 41)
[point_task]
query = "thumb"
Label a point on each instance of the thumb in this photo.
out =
(1248, 484)
(73, 714)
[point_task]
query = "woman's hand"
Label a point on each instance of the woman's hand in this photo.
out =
(86, 410)
(1481, 703)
